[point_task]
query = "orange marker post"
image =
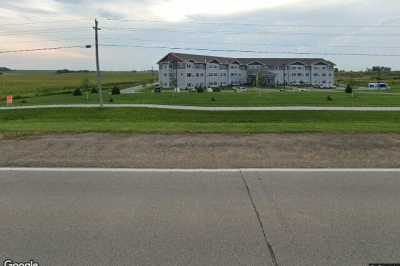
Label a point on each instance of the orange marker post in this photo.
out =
(9, 100)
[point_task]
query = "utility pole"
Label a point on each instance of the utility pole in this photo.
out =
(98, 74)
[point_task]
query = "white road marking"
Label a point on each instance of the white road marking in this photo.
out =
(233, 170)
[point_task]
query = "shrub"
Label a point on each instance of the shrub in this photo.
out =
(93, 90)
(200, 90)
(77, 92)
(111, 100)
(115, 91)
(213, 99)
(349, 89)
(329, 98)
(216, 89)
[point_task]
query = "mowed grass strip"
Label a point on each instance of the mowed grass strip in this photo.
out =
(171, 121)
(264, 98)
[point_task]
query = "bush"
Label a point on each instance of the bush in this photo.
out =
(213, 99)
(93, 90)
(329, 98)
(111, 100)
(349, 89)
(216, 89)
(77, 92)
(200, 90)
(115, 91)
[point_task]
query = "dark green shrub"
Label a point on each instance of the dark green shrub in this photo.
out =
(93, 90)
(115, 91)
(349, 89)
(329, 98)
(200, 90)
(77, 92)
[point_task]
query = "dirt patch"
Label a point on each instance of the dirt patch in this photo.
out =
(203, 151)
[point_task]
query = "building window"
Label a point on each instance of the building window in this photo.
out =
(197, 74)
(189, 74)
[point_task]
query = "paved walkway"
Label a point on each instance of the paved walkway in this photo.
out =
(203, 108)
(133, 90)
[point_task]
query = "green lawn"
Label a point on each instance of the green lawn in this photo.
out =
(274, 98)
(170, 121)
(33, 83)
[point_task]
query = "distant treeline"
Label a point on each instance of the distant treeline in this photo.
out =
(66, 71)
(5, 69)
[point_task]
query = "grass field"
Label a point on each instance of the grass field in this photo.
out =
(41, 87)
(34, 83)
(47, 87)
(23, 122)
(363, 78)
(265, 98)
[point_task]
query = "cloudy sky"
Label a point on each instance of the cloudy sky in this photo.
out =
(133, 31)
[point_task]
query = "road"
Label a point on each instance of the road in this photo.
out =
(208, 217)
(210, 108)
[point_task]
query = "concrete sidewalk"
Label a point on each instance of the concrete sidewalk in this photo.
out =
(214, 109)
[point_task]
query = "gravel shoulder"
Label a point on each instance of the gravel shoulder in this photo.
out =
(203, 151)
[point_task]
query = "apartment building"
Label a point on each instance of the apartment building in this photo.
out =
(189, 71)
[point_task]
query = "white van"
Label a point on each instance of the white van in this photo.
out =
(378, 86)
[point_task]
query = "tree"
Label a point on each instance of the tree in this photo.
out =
(115, 91)
(349, 89)
(77, 92)
(260, 82)
(85, 87)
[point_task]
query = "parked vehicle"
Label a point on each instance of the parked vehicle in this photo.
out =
(378, 86)
(157, 88)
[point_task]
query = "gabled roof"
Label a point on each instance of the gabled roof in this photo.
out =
(244, 61)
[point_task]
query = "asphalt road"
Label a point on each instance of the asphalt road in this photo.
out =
(200, 218)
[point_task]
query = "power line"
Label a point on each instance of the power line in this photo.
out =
(252, 51)
(250, 44)
(259, 24)
(43, 31)
(247, 32)
(45, 49)
(42, 22)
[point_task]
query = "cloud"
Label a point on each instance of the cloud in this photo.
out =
(175, 10)
(178, 27)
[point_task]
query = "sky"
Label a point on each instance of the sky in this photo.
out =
(135, 34)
